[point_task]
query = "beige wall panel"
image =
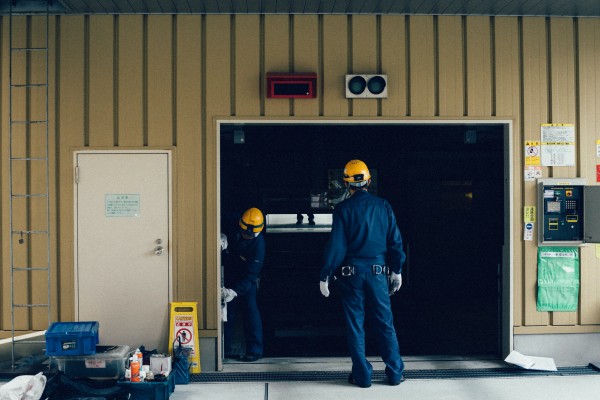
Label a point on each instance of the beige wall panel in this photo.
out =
(535, 98)
(506, 63)
(70, 128)
(422, 66)
(450, 67)
(589, 89)
(217, 104)
(4, 192)
(479, 74)
(364, 59)
(101, 81)
(306, 58)
(393, 63)
(277, 58)
(248, 77)
(335, 65)
(130, 63)
(200, 99)
(160, 80)
(187, 279)
(562, 64)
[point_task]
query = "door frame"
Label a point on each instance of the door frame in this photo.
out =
(507, 300)
(169, 154)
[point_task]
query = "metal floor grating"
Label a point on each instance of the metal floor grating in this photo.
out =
(318, 376)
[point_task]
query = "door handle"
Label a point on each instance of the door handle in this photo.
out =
(158, 250)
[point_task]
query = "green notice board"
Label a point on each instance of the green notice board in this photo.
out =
(558, 278)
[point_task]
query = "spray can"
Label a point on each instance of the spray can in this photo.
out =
(135, 369)
(139, 356)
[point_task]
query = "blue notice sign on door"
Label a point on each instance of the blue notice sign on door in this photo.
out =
(122, 205)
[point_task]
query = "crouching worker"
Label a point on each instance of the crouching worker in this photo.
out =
(242, 270)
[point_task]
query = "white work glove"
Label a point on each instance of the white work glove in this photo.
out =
(228, 294)
(223, 241)
(324, 286)
(395, 282)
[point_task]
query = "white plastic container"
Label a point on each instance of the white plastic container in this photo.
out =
(108, 362)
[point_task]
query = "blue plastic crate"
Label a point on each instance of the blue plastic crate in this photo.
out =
(72, 338)
(149, 390)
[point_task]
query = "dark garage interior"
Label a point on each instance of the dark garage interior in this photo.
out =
(445, 183)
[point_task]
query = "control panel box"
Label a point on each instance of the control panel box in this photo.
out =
(568, 212)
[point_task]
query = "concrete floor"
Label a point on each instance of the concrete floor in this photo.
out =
(579, 387)
(585, 387)
(539, 388)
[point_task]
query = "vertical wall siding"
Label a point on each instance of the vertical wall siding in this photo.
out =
(162, 81)
(587, 78)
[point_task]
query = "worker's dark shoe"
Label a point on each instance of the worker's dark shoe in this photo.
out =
(396, 382)
(352, 382)
(251, 357)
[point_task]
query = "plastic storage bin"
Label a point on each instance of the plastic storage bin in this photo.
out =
(71, 338)
(181, 366)
(149, 390)
(108, 362)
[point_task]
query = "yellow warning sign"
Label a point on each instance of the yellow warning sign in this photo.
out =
(184, 329)
(532, 153)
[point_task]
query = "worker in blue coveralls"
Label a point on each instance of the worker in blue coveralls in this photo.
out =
(365, 246)
(245, 260)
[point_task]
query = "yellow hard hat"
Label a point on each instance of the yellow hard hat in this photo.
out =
(252, 220)
(356, 173)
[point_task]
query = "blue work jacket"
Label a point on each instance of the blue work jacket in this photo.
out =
(363, 233)
(247, 257)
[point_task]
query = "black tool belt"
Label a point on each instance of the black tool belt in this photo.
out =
(350, 270)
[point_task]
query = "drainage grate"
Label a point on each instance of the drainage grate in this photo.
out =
(316, 376)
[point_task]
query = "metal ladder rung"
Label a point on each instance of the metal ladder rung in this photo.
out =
(26, 85)
(30, 232)
(29, 341)
(28, 49)
(41, 121)
(28, 158)
(31, 305)
(31, 269)
(28, 196)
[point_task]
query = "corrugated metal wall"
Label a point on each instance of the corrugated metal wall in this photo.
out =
(160, 81)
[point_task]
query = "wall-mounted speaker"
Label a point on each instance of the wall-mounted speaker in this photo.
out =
(362, 86)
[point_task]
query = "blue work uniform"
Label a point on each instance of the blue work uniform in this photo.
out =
(364, 234)
(244, 262)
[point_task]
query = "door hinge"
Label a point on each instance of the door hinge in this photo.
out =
(77, 175)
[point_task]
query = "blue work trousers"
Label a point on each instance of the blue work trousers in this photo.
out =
(367, 292)
(246, 307)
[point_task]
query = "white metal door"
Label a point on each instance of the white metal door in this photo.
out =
(122, 249)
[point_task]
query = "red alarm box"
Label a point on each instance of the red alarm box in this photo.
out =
(291, 85)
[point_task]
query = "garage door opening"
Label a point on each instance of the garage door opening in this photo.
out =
(446, 184)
